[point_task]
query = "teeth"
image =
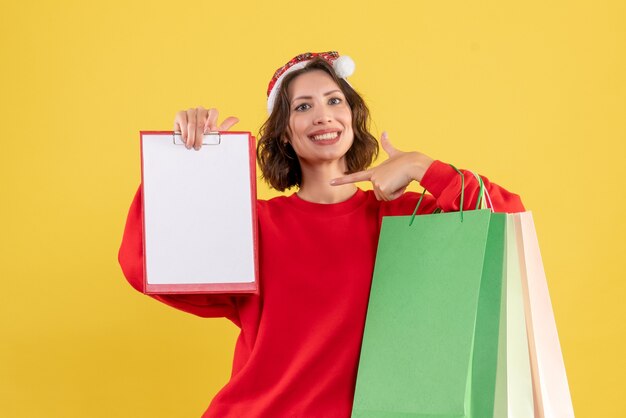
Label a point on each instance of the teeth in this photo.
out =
(330, 135)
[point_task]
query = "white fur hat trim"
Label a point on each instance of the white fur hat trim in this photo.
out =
(344, 67)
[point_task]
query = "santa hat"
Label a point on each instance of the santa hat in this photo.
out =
(343, 66)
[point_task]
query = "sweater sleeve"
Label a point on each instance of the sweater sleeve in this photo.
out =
(444, 183)
(131, 259)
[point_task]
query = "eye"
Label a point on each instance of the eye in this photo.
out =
(302, 107)
(335, 101)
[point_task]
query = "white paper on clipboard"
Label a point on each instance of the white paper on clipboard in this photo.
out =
(199, 214)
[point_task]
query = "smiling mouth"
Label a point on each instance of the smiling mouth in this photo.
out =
(325, 137)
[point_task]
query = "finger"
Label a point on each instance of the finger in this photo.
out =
(201, 116)
(381, 193)
(180, 124)
(228, 123)
(211, 123)
(191, 128)
(397, 194)
(352, 178)
(386, 143)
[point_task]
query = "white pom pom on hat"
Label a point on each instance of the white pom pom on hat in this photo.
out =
(342, 65)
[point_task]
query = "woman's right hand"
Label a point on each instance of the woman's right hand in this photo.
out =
(195, 122)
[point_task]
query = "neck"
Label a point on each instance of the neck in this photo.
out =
(316, 186)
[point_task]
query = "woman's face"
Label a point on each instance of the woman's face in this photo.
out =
(320, 119)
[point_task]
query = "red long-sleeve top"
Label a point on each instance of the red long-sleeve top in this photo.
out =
(298, 350)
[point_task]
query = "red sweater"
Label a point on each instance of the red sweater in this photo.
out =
(298, 350)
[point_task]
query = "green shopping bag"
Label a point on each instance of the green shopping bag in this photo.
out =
(430, 344)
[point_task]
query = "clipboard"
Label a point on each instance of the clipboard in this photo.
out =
(199, 214)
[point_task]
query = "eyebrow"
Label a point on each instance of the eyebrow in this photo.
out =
(310, 97)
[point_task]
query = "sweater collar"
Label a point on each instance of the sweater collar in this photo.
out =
(329, 209)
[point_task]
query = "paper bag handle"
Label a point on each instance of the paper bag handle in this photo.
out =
(481, 203)
(484, 200)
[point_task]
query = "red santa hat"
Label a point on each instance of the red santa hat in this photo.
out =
(343, 66)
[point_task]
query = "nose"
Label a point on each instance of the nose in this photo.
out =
(322, 116)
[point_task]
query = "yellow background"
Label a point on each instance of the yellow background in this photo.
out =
(531, 94)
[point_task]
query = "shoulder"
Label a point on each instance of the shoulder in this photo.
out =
(273, 203)
(276, 208)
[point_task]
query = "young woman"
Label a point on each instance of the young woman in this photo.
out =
(298, 350)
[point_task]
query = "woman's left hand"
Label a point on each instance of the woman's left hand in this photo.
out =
(392, 177)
